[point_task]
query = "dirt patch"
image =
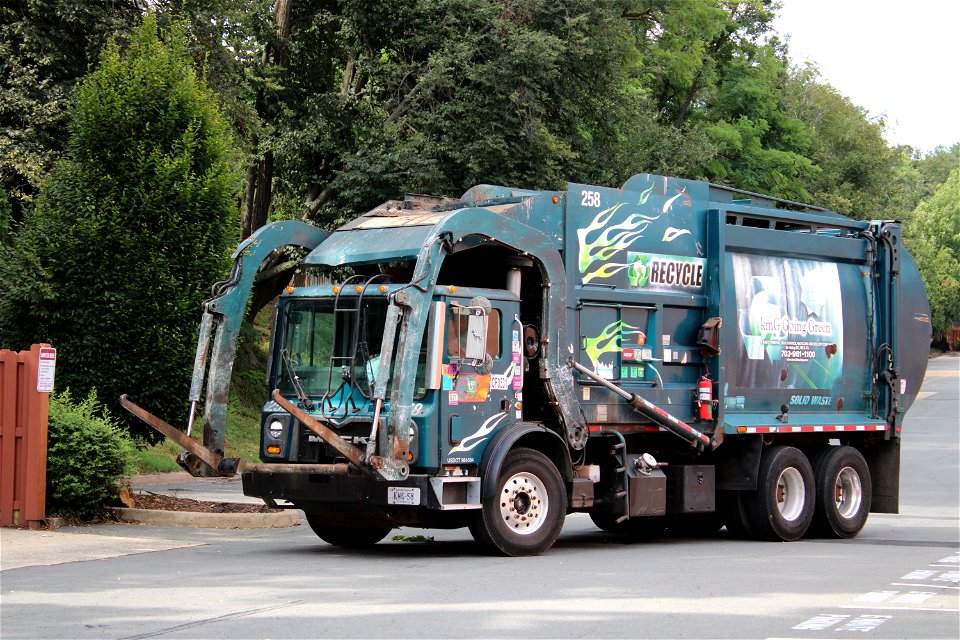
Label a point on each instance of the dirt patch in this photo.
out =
(170, 503)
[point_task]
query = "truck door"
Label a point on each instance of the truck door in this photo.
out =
(477, 388)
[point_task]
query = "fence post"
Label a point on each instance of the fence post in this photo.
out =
(26, 379)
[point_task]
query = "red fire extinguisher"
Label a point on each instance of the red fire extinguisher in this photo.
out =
(705, 389)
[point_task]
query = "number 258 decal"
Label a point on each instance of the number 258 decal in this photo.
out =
(590, 198)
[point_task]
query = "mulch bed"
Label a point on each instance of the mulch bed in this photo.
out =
(170, 503)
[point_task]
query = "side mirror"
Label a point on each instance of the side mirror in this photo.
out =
(476, 339)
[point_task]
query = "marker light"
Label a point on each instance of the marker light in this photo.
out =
(273, 450)
(289, 289)
(556, 199)
(383, 288)
(358, 288)
(336, 289)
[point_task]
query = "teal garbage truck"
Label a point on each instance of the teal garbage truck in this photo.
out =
(672, 354)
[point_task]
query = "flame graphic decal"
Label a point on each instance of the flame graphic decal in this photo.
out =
(599, 242)
(613, 239)
(609, 340)
(480, 435)
(672, 233)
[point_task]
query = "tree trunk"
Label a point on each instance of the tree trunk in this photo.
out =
(259, 195)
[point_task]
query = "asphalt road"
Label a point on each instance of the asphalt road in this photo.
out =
(899, 579)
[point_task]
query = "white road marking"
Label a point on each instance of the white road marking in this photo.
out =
(865, 623)
(884, 608)
(925, 586)
(821, 622)
(920, 574)
(914, 597)
(877, 596)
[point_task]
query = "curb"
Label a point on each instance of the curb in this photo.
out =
(195, 519)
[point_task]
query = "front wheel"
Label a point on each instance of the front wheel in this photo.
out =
(524, 517)
(844, 492)
(781, 508)
(351, 537)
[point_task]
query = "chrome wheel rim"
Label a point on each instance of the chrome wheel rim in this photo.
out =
(848, 492)
(790, 494)
(524, 503)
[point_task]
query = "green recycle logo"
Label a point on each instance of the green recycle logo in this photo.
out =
(639, 272)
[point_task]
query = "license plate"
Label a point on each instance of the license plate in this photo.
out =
(403, 495)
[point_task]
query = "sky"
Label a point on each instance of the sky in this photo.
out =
(899, 60)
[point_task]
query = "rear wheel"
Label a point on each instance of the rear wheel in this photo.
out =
(844, 492)
(782, 506)
(525, 515)
(352, 537)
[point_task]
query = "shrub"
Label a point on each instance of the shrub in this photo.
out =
(87, 454)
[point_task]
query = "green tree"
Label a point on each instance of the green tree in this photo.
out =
(46, 47)
(129, 232)
(933, 237)
(857, 169)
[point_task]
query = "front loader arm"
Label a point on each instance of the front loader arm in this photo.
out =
(222, 318)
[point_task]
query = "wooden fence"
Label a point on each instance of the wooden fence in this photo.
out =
(26, 378)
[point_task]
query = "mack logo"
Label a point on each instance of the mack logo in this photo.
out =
(665, 273)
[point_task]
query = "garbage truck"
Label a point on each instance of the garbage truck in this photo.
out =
(670, 355)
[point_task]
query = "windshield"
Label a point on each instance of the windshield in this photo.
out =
(325, 351)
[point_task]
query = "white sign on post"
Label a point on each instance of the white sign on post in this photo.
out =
(46, 368)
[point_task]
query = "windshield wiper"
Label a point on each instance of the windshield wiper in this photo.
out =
(295, 383)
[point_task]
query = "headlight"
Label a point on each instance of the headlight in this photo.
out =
(275, 429)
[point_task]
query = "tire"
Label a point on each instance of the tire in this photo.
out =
(844, 492)
(525, 515)
(350, 537)
(640, 528)
(782, 506)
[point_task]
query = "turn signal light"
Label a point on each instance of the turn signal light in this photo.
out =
(741, 429)
(383, 288)
(336, 289)
(289, 289)
(273, 450)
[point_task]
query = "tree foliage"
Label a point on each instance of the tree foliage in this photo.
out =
(934, 240)
(438, 95)
(129, 232)
(46, 47)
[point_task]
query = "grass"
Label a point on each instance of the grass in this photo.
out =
(248, 390)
